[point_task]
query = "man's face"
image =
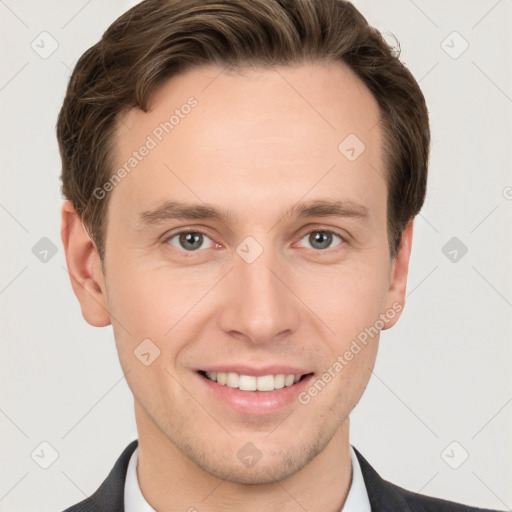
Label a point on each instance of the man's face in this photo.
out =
(263, 291)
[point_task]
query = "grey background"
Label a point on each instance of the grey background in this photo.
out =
(443, 374)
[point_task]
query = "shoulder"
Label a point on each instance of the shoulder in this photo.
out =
(110, 494)
(385, 496)
(422, 503)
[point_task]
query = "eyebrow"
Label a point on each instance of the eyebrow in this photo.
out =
(176, 210)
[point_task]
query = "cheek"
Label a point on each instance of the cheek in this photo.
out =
(160, 304)
(347, 298)
(151, 310)
(151, 301)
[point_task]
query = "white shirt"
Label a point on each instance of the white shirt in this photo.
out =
(357, 499)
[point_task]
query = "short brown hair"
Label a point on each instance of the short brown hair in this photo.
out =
(157, 39)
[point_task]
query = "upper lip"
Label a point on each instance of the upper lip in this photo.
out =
(256, 371)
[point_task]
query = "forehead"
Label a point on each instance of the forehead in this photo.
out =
(268, 133)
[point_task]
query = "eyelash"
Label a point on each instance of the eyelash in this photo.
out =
(199, 232)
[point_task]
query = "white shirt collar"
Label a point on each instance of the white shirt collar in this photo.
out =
(134, 501)
(357, 499)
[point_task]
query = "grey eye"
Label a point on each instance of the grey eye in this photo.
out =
(188, 240)
(321, 239)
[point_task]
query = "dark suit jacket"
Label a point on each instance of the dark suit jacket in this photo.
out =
(384, 496)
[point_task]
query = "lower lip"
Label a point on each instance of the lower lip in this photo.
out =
(256, 402)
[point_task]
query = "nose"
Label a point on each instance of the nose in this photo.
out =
(257, 300)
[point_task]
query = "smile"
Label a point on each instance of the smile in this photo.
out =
(253, 383)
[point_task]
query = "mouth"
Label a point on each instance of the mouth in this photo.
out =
(253, 383)
(253, 391)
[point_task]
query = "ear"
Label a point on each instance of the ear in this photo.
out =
(395, 300)
(84, 267)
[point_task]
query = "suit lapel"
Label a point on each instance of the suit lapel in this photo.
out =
(110, 494)
(382, 494)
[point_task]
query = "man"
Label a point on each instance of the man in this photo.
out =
(241, 183)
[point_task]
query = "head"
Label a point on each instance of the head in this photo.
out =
(292, 145)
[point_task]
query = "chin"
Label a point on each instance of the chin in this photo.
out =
(261, 474)
(266, 466)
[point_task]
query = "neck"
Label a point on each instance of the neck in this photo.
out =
(170, 481)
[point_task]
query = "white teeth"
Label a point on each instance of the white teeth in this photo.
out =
(265, 383)
(288, 380)
(247, 383)
(252, 383)
(232, 380)
(279, 381)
